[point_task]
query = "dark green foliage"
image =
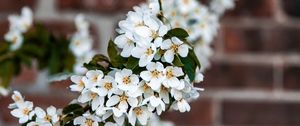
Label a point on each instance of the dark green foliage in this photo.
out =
(49, 51)
(116, 60)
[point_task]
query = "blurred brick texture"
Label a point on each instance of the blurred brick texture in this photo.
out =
(254, 79)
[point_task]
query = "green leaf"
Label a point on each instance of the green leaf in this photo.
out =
(91, 66)
(7, 71)
(72, 108)
(4, 47)
(189, 66)
(178, 32)
(99, 58)
(177, 61)
(132, 63)
(116, 59)
(192, 55)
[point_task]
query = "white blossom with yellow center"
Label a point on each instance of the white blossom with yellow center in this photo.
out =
(15, 38)
(122, 99)
(173, 47)
(172, 74)
(49, 117)
(144, 53)
(105, 87)
(23, 111)
(87, 119)
(140, 114)
(154, 75)
(126, 81)
(78, 85)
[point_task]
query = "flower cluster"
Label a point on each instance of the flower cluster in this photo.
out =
(19, 24)
(151, 68)
(81, 44)
(136, 95)
(26, 113)
(201, 22)
(122, 94)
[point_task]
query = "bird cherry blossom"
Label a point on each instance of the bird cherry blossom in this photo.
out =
(174, 46)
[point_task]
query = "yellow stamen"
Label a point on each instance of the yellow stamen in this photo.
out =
(138, 111)
(108, 86)
(169, 74)
(126, 80)
(123, 97)
(47, 118)
(26, 111)
(89, 122)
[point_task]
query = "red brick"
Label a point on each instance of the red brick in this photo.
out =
(4, 28)
(42, 100)
(200, 114)
(238, 76)
(27, 76)
(61, 85)
(253, 8)
(10, 6)
(102, 6)
(291, 77)
(260, 113)
(291, 7)
(88, 5)
(277, 39)
(128, 4)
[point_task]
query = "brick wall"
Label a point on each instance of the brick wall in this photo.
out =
(255, 75)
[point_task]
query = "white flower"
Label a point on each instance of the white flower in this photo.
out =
(171, 79)
(87, 120)
(122, 99)
(81, 41)
(82, 24)
(94, 97)
(144, 89)
(39, 124)
(118, 115)
(18, 99)
(176, 46)
(155, 121)
(126, 43)
(155, 102)
(199, 76)
(91, 79)
(78, 83)
(219, 6)
(23, 112)
(126, 80)
(164, 94)
(4, 91)
(50, 117)
(154, 75)
(144, 53)
(177, 94)
(15, 38)
(182, 106)
(21, 22)
(154, 6)
(142, 114)
(78, 67)
(153, 29)
(80, 44)
(186, 6)
(106, 86)
(110, 124)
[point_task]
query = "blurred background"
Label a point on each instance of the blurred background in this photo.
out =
(254, 79)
